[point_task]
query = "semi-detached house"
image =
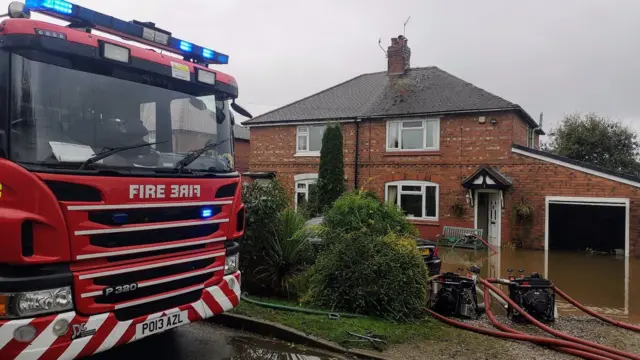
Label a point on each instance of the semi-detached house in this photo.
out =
(450, 153)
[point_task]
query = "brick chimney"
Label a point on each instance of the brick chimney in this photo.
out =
(398, 56)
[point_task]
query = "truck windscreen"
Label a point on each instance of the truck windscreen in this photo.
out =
(60, 117)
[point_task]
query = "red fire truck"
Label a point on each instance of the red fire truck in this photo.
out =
(120, 209)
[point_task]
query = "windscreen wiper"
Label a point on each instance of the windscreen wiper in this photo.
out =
(111, 151)
(193, 155)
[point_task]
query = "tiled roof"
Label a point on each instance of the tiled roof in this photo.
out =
(240, 132)
(420, 91)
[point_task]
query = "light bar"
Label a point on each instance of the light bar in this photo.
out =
(145, 33)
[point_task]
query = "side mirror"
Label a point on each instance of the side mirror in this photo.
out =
(240, 110)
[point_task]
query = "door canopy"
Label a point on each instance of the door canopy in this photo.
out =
(487, 177)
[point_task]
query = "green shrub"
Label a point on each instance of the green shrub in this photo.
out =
(365, 273)
(287, 252)
(358, 211)
(331, 172)
(299, 284)
(264, 201)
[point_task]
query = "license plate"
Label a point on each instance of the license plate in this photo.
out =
(425, 252)
(161, 324)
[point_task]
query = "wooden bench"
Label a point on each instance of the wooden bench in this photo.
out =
(452, 235)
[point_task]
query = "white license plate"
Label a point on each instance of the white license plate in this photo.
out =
(161, 324)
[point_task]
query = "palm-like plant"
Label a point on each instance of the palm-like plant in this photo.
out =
(287, 251)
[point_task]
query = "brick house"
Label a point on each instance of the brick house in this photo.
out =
(435, 144)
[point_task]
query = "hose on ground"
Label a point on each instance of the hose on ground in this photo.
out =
(334, 315)
(573, 302)
(551, 331)
(500, 334)
(567, 347)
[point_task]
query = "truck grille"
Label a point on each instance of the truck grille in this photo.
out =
(97, 291)
(154, 236)
(143, 216)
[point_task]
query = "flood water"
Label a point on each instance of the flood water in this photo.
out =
(600, 282)
(207, 341)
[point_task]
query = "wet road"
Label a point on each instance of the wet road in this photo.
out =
(206, 341)
(601, 282)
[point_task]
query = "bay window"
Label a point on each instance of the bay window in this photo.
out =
(413, 135)
(418, 199)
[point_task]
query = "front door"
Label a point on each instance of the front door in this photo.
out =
(493, 237)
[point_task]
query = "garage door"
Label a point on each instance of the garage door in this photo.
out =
(578, 224)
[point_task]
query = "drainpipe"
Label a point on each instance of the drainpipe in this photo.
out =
(355, 171)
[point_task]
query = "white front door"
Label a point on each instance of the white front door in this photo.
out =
(493, 237)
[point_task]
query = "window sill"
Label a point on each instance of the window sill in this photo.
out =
(425, 222)
(307, 154)
(413, 153)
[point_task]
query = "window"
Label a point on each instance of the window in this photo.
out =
(303, 185)
(531, 138)
(418, 199)
(413, 135)
(309, 140)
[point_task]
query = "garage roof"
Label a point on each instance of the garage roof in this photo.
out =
(591, 169)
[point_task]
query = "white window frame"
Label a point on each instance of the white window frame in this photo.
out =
(307, 179)
(307, 135)
(423, 185)
(531, 138)
(436, 141)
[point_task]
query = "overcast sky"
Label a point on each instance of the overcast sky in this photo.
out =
(555, 57)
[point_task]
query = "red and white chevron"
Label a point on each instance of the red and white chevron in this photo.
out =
(109, 331)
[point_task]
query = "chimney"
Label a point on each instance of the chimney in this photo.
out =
(398, 56)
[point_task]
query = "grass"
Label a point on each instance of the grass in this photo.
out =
(336, 330)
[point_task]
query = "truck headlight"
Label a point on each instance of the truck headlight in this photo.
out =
(33, 303)
(231, 265)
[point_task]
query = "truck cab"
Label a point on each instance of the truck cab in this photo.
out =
(120, 208)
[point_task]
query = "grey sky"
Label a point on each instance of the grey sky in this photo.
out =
(552, 56)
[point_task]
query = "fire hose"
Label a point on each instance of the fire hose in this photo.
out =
(559, 334)
(511, 336)
(573, 302)
(559, 345)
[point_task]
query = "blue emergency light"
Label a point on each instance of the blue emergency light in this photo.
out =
(145, 33)
(206, 212)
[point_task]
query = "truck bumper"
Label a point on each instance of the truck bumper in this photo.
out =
(103, 331)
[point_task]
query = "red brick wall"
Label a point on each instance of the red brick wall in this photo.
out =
(242, 153)
(534, 179)
(274, 148)
(465, 145)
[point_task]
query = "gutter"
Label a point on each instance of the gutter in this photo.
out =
(356, 162)
(516, 108)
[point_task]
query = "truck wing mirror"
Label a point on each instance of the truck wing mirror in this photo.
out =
(240, 110)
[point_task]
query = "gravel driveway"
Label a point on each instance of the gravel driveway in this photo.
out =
(463, 345)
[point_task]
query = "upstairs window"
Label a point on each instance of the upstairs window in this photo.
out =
(531, 138)
(418, 199)
(413, 135)
(309, 139)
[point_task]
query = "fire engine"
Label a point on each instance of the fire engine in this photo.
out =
(120, 209)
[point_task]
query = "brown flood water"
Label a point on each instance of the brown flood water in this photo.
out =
(600, 282)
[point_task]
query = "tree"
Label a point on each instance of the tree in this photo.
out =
(596, 140)
(331, 175)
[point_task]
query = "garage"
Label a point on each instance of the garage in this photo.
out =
(578, 224)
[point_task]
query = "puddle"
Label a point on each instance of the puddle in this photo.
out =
(249, 348)
(600, 282)
(206, 341)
